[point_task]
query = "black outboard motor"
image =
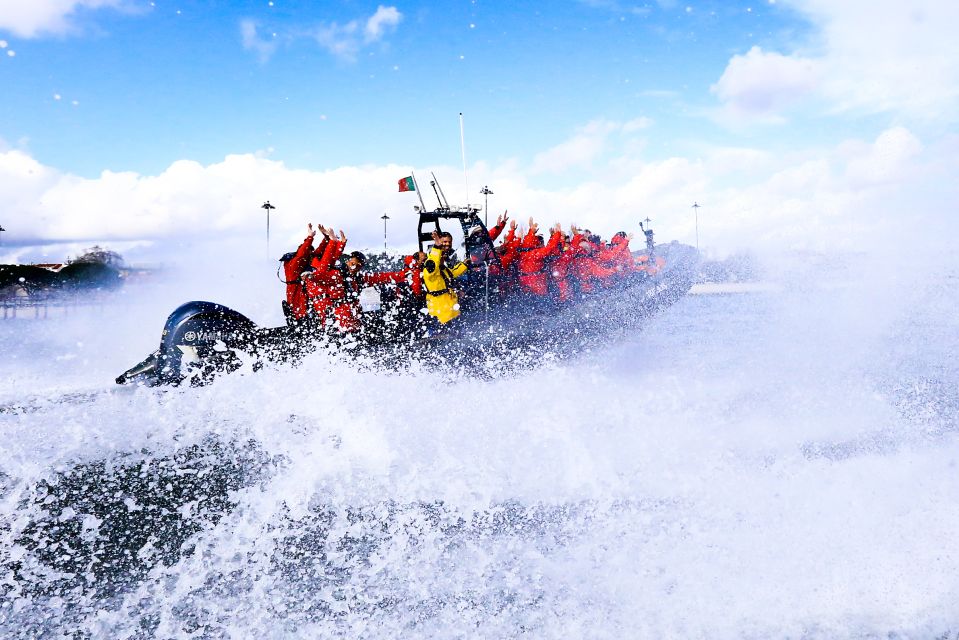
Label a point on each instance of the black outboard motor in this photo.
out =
(200, 339)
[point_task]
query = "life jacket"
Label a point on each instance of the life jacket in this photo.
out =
(441, 299)
(437, 275)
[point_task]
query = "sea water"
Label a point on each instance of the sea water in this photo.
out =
(779, 463)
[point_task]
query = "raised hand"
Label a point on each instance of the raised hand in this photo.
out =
(310, 229)
(342, 237)
(436, 236)
(512, 226)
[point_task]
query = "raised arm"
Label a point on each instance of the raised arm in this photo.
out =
(511, 235)
(498, 227)
(334, 249)
(385, 277)
(550, 248)
(306, 247)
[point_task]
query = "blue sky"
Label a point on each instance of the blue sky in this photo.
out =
(158, 83)
(566, 105)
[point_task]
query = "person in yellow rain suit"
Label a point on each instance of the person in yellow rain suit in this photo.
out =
(441, 300)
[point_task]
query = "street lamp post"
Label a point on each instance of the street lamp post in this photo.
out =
(486, 192)
(696, 206)
(1, 236)
(268, 207)
(384, 218)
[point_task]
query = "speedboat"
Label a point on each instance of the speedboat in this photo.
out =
(201, 340)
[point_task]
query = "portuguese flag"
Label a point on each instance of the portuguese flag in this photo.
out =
(407, 184)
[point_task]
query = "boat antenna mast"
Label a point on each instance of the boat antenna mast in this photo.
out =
(416, 188)
(437, 194)
(444, 203)
(463, 150)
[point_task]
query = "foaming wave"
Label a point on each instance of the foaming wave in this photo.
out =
(743, 466)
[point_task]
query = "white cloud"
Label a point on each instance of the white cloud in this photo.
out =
(884, 161)
(762, 84)
(579, 151)
(252, 42)
(586, 146)
(32, 18)
(896, 57)
(890, 56)
(856, 195)
(346, 40)
(190, 200)
(385, 19)
(637, 124)
(341, 40)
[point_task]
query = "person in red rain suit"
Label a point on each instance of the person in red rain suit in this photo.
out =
(618, 257)
(318, 283)
(355, 280)
(533, 254)
(589, 273)
(503, 273)
(294, 265)
(335, 288)
(561, 270)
